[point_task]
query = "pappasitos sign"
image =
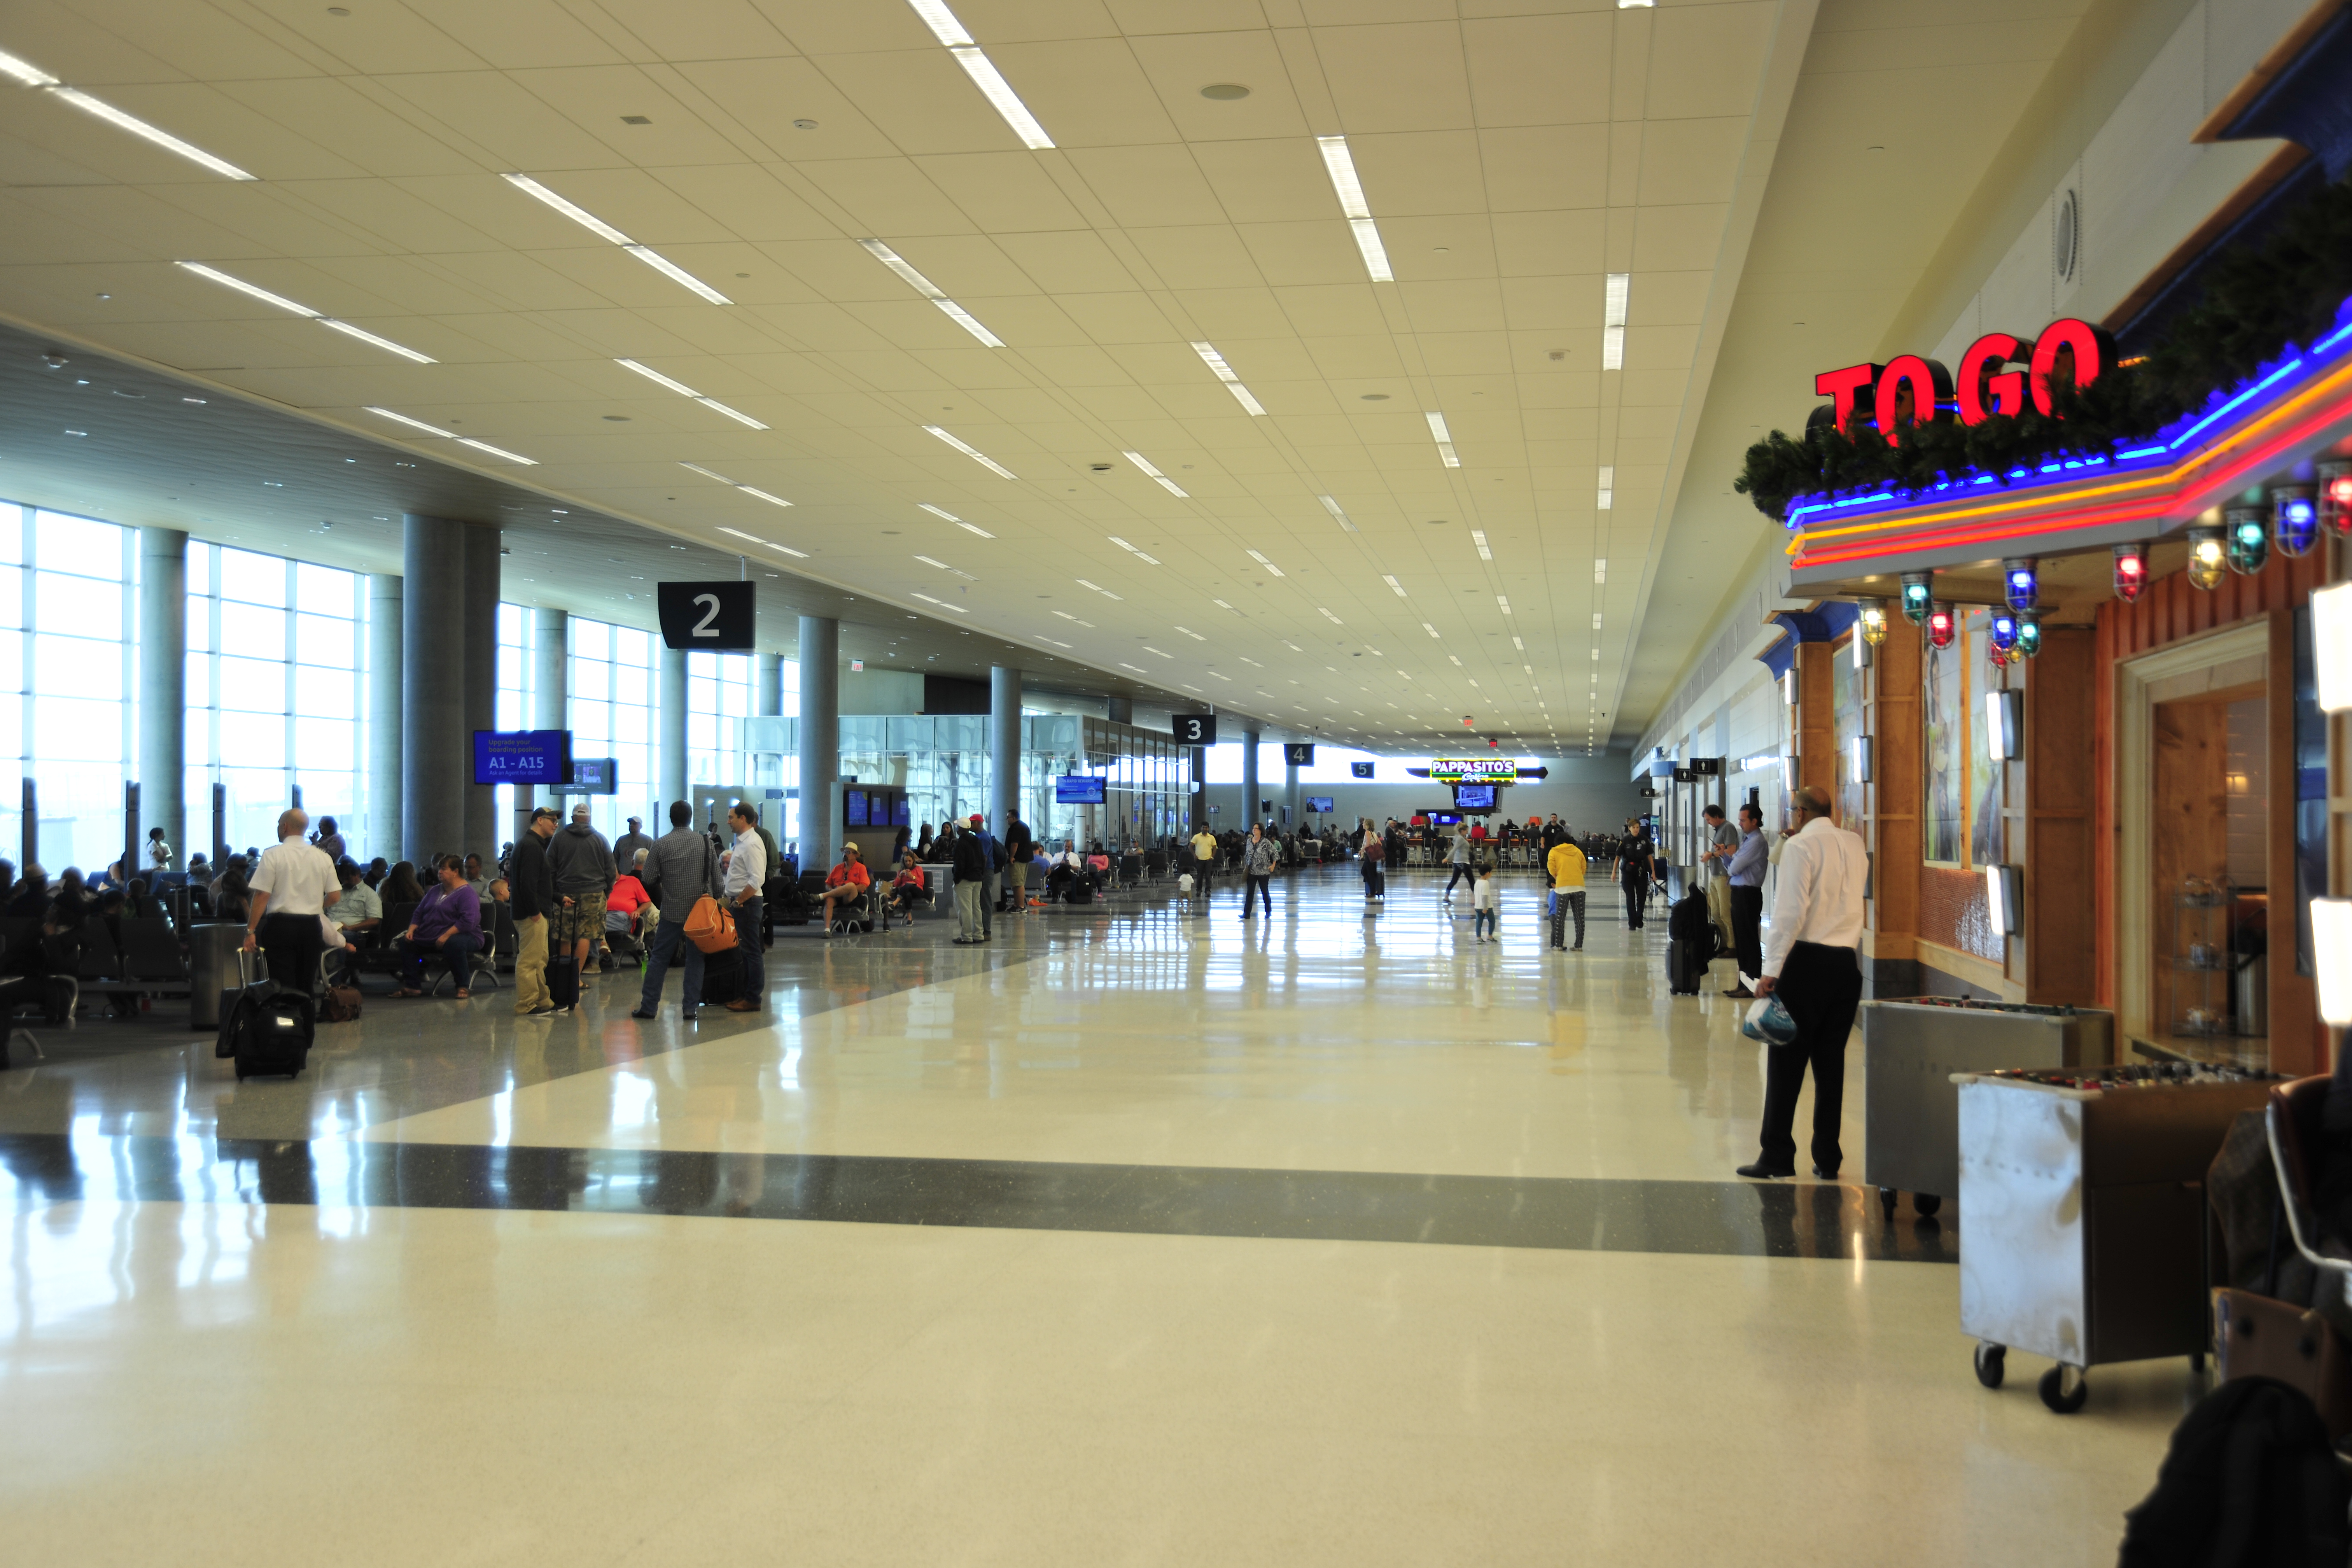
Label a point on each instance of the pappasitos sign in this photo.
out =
(1999, 374)
(1474, 770)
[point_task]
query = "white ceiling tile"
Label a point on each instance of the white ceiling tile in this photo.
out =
(1071, 263)
(919, 99)
(594, 98)
(1540, 168)
(1319, 252)
(1002, 191)
(886, 196)
(1397, 76)
(1160, 183)
(515, 35)
(1542, 70)
(1690, 160)
(767, 96)
(1269, 182)
(1088, 92)
(492, 116)
(703, 30)
(1181, 65)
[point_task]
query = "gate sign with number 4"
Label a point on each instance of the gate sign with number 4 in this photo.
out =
(1298, 754)
(1195, 729)
(712, 616)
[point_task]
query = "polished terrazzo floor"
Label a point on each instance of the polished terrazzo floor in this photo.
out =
(1135, 1237)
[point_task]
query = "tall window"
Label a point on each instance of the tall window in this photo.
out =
(65, 599)
(718, 687)
(613, 693)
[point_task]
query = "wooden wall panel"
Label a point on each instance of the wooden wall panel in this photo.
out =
(2296, 1044)
(2061, 912)
(1816, 717)
(1899, 745)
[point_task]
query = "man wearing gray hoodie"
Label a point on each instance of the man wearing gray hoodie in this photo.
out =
(582, 864)
(682, 868)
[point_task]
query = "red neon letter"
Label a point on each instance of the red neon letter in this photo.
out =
(1844, 385)
(2090, 356)
(2008, 388)
(1929, 383)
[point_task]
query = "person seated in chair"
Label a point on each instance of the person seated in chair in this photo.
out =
(845, 887)
(359, 915)
(447, 924)
(906, 891)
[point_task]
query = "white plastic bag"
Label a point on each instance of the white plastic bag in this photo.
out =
(1768, 1020)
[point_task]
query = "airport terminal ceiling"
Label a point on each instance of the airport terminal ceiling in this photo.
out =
(1336, 367)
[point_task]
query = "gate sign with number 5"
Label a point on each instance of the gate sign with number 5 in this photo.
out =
(1195, 729)
(723, 616)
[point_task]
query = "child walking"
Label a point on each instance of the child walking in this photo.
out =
(1482, 906)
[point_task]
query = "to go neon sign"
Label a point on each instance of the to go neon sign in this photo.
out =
(1909, 390)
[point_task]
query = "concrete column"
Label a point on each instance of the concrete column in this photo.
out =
(1249, 780)
(1120, 709)
(669, 722)
(768, 687)
(162, 688)
(820, 733)
(1290, 793)
(481, 685)
(551, 695)
(435, 750)
(383, 728)
(1004, 746)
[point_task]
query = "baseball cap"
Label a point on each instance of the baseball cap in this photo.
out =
(975, 820)
(580, 811)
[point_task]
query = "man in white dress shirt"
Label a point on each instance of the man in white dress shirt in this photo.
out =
(293, 886)
(1810, 964)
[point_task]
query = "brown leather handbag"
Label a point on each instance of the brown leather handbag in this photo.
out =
(709, 925)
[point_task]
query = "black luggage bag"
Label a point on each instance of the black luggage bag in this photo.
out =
(1690, 945)
(722, 976)
(267, 1031)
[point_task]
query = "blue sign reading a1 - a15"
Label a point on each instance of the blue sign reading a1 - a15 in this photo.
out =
(522, 756)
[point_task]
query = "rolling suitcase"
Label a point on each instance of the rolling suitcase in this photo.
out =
(239, 995)
(274, 1037)
(1685, 972)
(722, 976)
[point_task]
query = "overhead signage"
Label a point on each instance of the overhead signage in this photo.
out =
(1474, 770)
(1194, 729)
(714, 616)
(1910, 390)
(592, 775)
(1298, 756)
(1078, 789)
(522, 756)
(1360, 770)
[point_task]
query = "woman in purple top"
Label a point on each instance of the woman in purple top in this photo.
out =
(447, 924)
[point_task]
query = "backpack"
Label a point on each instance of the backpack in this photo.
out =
(1689, 922)
(342, 1005)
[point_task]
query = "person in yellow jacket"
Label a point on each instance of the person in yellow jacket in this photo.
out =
(1565, 867)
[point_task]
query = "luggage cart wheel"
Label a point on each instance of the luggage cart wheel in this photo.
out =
(1992, 1360)
(1926, 1203)
(2065, 1388)
(1887, 1197)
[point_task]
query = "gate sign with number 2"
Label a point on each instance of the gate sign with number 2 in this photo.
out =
(722, 616)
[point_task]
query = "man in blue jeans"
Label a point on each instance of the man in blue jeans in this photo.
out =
(679, 870)
(747, 873)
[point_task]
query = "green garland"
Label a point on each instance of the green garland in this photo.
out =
(2257, 300)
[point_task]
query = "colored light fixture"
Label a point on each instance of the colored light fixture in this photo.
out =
(1942, 626)
(2131, 572)
(2336, 497)
(1918, 597)
(2019, 583)
(2004, 629)
(1873, 622)
(2028, 637)
(2208, 560)
(2248, 540)
(2294, 519)
(2000, 658)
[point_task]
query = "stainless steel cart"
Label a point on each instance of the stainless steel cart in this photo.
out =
(2084, 1195)
(1913, 1046)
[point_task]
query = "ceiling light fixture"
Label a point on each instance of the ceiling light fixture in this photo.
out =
(1612, 321)
(974, 453)
(1394, 586)
(1341, 166)
(1331, 505)
(1330, 617)
(983, 73)
(1140, 461)
(1478, 539)
(1503, 602)
(452, 436)
(1444, 439)
(1149, 648)
(598, 226)
(283, 303)
(1607, 498)
(1131, 550)
(930, 291)
(34, 76)
(685, 391)
(748, 490)
(967, 527)
(942, 604)
(1430, 629)
(1600, 575)
(1225, 372)
(1190, 633)
(1262, 561)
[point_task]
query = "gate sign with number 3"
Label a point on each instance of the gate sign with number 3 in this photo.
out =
(711, 615)
(1195, 729)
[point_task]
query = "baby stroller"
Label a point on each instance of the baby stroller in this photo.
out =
(621, 940)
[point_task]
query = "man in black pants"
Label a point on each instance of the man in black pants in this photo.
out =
(1811, 964)
(293, 886)
(1745, 870)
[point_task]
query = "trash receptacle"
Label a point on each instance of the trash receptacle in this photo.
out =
(1914, 1045)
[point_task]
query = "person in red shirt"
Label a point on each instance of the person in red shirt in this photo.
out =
(906, 889)
(846, 883)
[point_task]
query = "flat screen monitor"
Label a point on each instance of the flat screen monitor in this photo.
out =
(901, 813)
(1444, 818)
(1320, 802)
(1078, 789)
(854, 805)
(522, 756)
(1474, 797)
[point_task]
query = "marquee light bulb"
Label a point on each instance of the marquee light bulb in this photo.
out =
(2028, 636)
(2131, 572)
(2336, 497)
(2208, 560)
(2248, 540)
(2019, 583)
(1942, 626)
(2294, 519)
(1918, 595)
(2004, 629)
(1873, 622)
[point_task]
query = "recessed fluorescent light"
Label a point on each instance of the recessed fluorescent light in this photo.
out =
(413, 423)
(1149, 648)
(1131, 550)
(748, 490)
(1190, 633)
(1166, 483)
(1394, 586)
(1519, 643)
(1246, 659)
(1600, 571)
(974, 453)
(984, 75)
(942, 604)
(498, 451)
(1444, 439)
(1596, 620)
(1225, 372)
(1226, 678)
(1478, 539)
(1137, 668)
(1262, 561)
(1330, 617)
(1222, 606)
(1503, 602)
(1607, 498)
(1351, 192)
(24, 71)
(930, 291)
(1084, 584)
(1293, 647)
(1430, 629)
(967, 527)
(1456, 658)
(929, 561)
(1331, 505)
(603, 230)
(34, 77)
(708, 473)
(1612, 321)
(685, 391)
(283, 303)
